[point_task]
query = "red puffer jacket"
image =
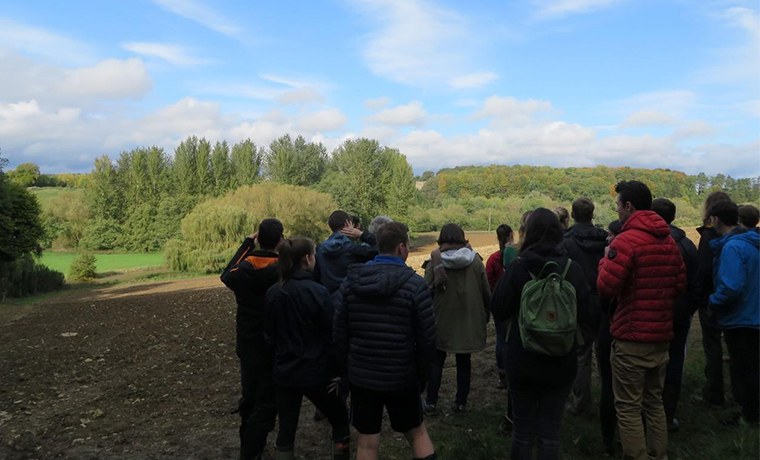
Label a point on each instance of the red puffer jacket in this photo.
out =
(644, 271)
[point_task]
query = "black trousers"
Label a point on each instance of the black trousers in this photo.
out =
(671, 392)
(607, 413)
(744, 349)
(289, 407)
(713, 390)
(257, 407)
(464, 371)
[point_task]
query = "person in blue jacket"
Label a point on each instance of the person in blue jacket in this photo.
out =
(736, 304)
(338, 251)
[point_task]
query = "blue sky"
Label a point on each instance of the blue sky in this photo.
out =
(649, 83)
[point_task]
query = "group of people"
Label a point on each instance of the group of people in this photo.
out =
(349, 317)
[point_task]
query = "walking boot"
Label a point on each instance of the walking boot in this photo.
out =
(286, 453)
(341, 449)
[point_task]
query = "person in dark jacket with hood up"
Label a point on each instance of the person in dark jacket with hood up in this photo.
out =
(384, 336)
(539, 384)
(686, 304)
(461, 297)
(249, 274)
(585, 244)
(736, 305)
(713, 392)
(299, 331)
(338, 251)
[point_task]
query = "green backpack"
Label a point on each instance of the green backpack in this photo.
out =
(548, 313)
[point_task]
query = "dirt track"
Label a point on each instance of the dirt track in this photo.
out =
(151, 373)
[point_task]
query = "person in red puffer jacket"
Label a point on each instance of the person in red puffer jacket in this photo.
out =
(644, 272)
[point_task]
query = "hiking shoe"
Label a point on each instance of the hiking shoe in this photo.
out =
(458, 408)
(506, 424)
(674, 425)
(429, 409)
(502, 385)
(699, 398)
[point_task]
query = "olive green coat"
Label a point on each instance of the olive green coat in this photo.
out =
(462, 309)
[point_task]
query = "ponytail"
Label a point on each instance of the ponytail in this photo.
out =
(292, 252)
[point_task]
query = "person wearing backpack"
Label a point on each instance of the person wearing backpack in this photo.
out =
(461, 296)
(298, 330)
(545, 299)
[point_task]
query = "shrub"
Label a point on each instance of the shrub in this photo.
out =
(25, 276)
(213, 230)
(83, 268)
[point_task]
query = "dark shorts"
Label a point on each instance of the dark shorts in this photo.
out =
(404, 409)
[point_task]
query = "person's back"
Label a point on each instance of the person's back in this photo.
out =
(338, 252)
(302, 339)
(384, 335)
(249, 274)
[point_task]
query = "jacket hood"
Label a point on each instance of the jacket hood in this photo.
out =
(740, 234)
(649, 222)
(336, 245)
(677, 233)
(458, 258)
(536, 257)
(588, 237)
(378, 280)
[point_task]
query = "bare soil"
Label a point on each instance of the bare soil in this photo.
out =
(138, 372)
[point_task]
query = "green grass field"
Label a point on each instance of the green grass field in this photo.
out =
(104, 262)
(46, 194)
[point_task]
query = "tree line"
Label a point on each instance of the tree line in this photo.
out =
(137, 201)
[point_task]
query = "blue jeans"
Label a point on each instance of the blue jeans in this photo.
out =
(537, 416)
(501, 343)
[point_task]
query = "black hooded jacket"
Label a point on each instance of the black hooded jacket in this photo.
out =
(528, 369)
(705, 255)
(249, 275)
(299, 331)
(688, 302)
(585, 244)
(384, 329)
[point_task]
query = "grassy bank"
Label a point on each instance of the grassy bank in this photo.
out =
(61, 260)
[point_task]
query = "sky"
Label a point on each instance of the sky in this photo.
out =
(641, 83)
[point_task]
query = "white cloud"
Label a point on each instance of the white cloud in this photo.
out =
(54, 86)
(671, 102)
(693, 130)
(303, 95)
(737, 63)
(416, 42)
(472, 80)
(644, 118)
(555, 8)
(43, 43)
(174, 54)
(109, 79)
(202, 14)
(323, 120)
(403, 115)
(511, 110)
(377, 103)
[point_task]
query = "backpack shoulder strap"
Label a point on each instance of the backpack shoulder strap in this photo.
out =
(567, 268)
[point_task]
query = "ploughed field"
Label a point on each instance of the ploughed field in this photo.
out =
(149, 372)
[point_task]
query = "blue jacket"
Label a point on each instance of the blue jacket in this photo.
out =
(336, 253)
(736, 299)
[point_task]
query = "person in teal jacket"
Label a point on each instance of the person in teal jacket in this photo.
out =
(736, 304)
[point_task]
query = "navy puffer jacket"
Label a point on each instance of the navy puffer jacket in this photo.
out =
(384, 330)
